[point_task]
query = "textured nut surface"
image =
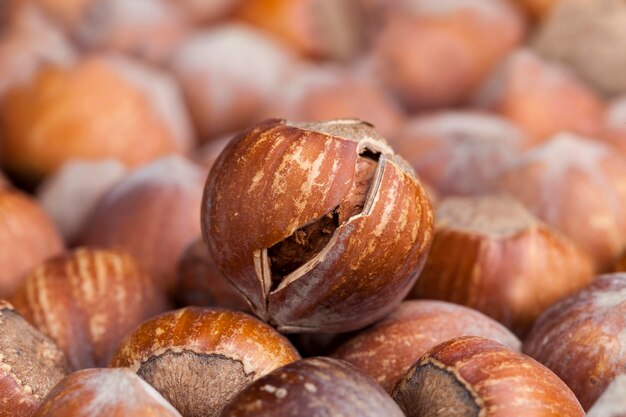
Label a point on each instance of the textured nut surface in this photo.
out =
(198, 359)
(105, 393)
(321, 226)
(583, 338)
(477, 377)
(30, 364)
(86, 301)
(390, 347)
(315, 387)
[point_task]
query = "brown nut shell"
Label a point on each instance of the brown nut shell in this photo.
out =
(30, 364)
(477, 377)
(390, 347)
(86, 301)
(321, 226)
(313, 387)
(491, 254)
(105, 393)
(180, 351)
(612, 403)
(583, 338)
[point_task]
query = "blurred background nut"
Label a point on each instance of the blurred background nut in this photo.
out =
(577, 186)
(319, 225)
(581, 338)
(152, 213)
(27, 238)
(390, 347)
(86, 301)
(539, 9)
(30, 364)
(474, 376)
(202, 11)
(614, 132)
(199, 359)
(313, 387)
(459, 152)
(105, 393)
(612, 403)
(490, 253)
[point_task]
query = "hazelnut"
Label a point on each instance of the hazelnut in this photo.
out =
(27, 238)
(581, 338)
(153, 214)
(86, 301)
(313, 387)
(459, 152)
(228, 93)
(71, 193)
(318, 28)
(319, 225)
(390, 347)
(588, 37)
(201, 284)
(576, 186)
(105, 393)
(30, 364)
(180, 351)
(434, 53)
(491, 254)
(474, 376)
(60, 116)
(612, 403)
(542, 98)
(330, 92)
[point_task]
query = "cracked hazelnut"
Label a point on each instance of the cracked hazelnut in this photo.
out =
(27, 238)
(542, 98)
(583, 337)
(491, 254)
(86, 301)
(612, 403)
(390, 347)
(576, 186)
(105, 393)
(473, 376)
(460, 152)
(313, 387)
(153, 214)
(319, 225)
(199, 359)
(30, 364)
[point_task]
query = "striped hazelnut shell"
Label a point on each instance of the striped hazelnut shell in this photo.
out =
(180, 351)
(319, 225)
(473, 376)
(583, 337)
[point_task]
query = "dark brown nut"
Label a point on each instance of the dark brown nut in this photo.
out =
(72, 192)
(460, 152)
(105, 393)
(201, 284)
(86, 301)
(473, 376)
(313, 387)
(332, 92)
(612, 403)
(388, 349)
(27, 238)
(319, 225)
(318, 28)
(576, 186)
(30, 364)
(491, 254)
(227, 94)
(153, 214)
(581, 338)
(434, 53)
(542, 98)
(59, 116)
(199, 359)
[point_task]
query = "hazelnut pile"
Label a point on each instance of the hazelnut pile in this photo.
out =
(346, 208)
